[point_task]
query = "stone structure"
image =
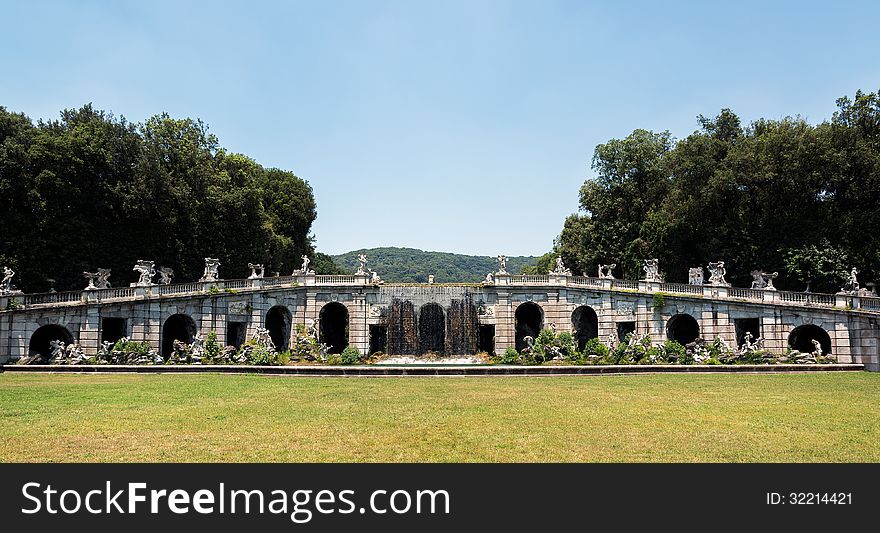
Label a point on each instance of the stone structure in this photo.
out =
(502, 264)
(695, 276)
(607, 271)
(146, 270)
(560, 269)
(6, 286)
(256, 271)
(103, 279)
(212, 267)
(165, 275)
(763, 281)
(717, 273)
(652, 271)
(343, 310)
(852, 284)
(362, 264)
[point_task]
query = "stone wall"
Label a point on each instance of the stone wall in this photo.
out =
(853, 334)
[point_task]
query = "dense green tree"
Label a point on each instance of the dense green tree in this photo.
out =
(774, 195)
(92, 190)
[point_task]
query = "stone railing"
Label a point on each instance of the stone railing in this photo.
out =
(745, 294)
(527, 279)
(681, 288)
(279, 281)
(625, 284)
(584, 281)
(869, 303)
(335, 280)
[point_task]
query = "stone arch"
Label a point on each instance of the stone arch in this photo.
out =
(178, 327)
(278, 320)
(585, 324)
(801, 339)
(432, 328)
(682, 328)
(529, 320)
(334, 326)
(39, 343)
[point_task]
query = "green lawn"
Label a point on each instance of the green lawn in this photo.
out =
(782, 417)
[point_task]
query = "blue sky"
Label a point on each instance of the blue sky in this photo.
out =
(455, 126)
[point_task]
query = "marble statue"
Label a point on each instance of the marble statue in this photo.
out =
(256, 271)
(490, 279)
(717, 273)
(146, 270)
(212, 266)
(374, 277)
(264, 339)
(607, 271)
(305, 265)
(430, 279)
(6, 286)
(560, 269)
(91, 277)
(695, 276)
(652, 270)
(313, 330)
(763, 280)
(165, 275)
(362, 265)
(852, 284)
(103, 279)
(57, 350)
(502, 264)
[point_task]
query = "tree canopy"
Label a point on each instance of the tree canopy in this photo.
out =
(93, 190)
(776, 195)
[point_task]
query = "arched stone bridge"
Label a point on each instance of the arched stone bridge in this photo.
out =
(450, 318)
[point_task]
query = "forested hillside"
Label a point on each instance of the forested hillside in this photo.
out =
(409, 265)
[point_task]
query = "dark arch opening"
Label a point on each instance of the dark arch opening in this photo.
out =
(432, 328)
(334, 326)
(278, 321)
(529, 320)
(585, 324)
(39, 344)
(801, 339)
(683, 329)
(177, 328)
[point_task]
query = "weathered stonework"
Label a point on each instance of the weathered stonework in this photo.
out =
(852, 324)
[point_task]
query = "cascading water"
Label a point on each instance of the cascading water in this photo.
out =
(402, 338)
(464, 327)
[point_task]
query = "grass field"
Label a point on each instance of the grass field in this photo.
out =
(794, 417)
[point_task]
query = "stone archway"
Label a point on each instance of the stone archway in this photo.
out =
(801, 339)
(432, 329)
(278, 321)
(585, 324)
(334, 326)
(44, 335)
(683, 328)
(177, 327)
(529, 320)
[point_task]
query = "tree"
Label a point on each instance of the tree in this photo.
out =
(777, 195)
(92, 190)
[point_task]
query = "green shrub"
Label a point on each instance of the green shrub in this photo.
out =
(350, 356)
(674, 352)
(595, 347)
(659, 300)
(212, 347)
(510, 357)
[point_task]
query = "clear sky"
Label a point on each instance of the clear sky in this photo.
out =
(454, 126)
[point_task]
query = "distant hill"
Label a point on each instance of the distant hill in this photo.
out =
(409, 265)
